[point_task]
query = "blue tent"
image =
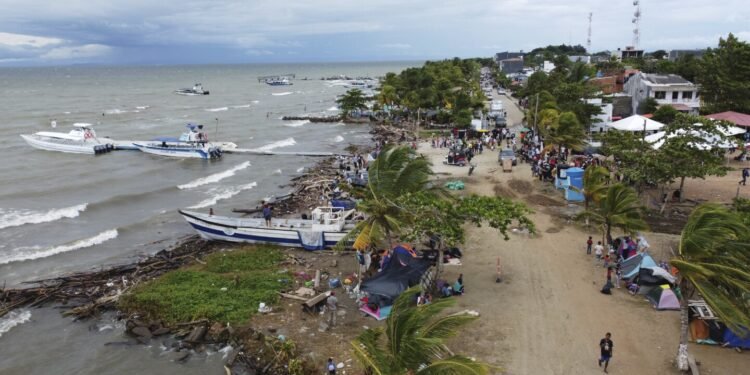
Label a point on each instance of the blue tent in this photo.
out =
(632, 265)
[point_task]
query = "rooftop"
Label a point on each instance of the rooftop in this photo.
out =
(666, 79)
(739, 119)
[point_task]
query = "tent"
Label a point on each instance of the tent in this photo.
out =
(710, 141)
(632, 265)
(402, 271)
(654, 276)
(635, 123)
(663, 298)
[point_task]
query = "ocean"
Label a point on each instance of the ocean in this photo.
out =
(61, 213)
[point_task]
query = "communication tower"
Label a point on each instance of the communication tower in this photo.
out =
(588, 40)
(636, 23)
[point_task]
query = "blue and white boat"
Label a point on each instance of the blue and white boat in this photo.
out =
(326, 228)
(278, 82)
(191, 144)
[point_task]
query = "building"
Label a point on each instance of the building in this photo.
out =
(628, 53)
(666, 89)
(508, 55)
(608, 85)
(548, 66)
(583, 59)
(599, 122)
(677, 53)
(512, 65)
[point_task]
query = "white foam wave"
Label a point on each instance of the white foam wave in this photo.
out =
(296, 123)
(216, 177)
(223, 193)
(241, 106)
(66, 112)
(14, 218)
(332, 109)
(114, 111)
(338, 139)
(277, 172)
(220, 109)
(300, 169)
(277, 144)
(13, 319)
(255, 101)
(143, 107)
(282, 93)
(29, 253)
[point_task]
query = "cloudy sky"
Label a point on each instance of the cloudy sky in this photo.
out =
(54, 32)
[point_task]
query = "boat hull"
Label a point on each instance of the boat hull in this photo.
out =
(222, 229)
(177, 152)
(68, 147)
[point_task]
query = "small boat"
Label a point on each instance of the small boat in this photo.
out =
(326, 228)
(195, 91)
(191, 144)
(278, 82)
(81, 140)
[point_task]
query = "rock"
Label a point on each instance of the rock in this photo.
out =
(341, 312)
(340, 365)
(272, 329)
(197, 334)
(143, 340)
(323, 327)
(161, 331)
(215, 329)
(119, 343)
(142, 332)
(179, 356)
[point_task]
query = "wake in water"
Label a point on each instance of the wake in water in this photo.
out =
(35, 252)
(296, 123)
(13, 319)
(277, 144)
(216, 177)
(223, 193)
(14, 218)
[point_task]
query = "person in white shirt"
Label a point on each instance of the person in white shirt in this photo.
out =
(598, 249)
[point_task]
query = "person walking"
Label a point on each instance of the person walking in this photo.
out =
(589, 243)
(605, 345)
(332, 304)
(331, 367)
(745, 175)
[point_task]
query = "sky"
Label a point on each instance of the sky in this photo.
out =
(54, 32)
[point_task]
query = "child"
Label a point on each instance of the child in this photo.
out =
(589, 243)
(606, 261)
(598, 250)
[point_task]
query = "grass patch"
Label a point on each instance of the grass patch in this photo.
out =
(247, 275)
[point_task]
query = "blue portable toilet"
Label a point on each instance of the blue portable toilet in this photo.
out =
(575, 179)
(561, 177)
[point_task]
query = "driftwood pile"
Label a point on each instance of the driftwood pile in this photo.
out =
(87, 293)
(387, 134)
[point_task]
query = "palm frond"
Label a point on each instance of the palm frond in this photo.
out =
(455, 365)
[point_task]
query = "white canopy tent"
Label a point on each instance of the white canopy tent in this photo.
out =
(635, 123)
(710, 140)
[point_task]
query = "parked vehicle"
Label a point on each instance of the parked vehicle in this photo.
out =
(507, 153)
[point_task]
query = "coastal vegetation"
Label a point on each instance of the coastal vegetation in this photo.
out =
(353, 100)
(413, 340)
(618, 208)
(712, 260)
(227, 288)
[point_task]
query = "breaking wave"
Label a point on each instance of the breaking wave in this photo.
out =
(216, 177)
(13, 319)
(223, 193)
(220, 109)
(282, 93)
(338, 139)
(296, 123)
(333, 109)
(36, 252)
(14, 218)
(277, 144)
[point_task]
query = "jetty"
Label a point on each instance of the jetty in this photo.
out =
(277, 153)
(313, 118)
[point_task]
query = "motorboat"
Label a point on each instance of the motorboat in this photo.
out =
(326, 227)
(195, 91)
(191, 144)
(278, 82)
(81, 139)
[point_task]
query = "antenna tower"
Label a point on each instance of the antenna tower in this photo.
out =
(636, 23)
(588, 41)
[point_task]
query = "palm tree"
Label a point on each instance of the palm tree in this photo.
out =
(595, 181)
(712, 259)
(618, 208)
(395, 172)
(413, 341)
(353, 100)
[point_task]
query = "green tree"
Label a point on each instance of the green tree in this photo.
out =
(567, 132)
(665, 114)
(595, 185)
(649, 105)
(619, 208)
(724, 76)
(659, 54)
(353, 100)
(712, 259)
(413, 341)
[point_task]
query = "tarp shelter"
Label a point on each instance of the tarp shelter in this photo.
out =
(632, 265)
(402, 272)
(733, 340)
(663, 298)
(709, 141)
(654, 276)
(635, 123)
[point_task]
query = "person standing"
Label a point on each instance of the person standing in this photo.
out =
(267, 214)
(598, 249)
(745, 175)
(332, 304)
(589, 243)
(605, 345)
(331, 367)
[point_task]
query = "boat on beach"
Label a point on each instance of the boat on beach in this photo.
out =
(80, 140)
(327, 227)
(195, 91)
(191, 144)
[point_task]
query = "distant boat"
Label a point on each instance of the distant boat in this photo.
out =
(278, 82)
(81, 140)
(195, 91)
(191, 144)
(326, 228)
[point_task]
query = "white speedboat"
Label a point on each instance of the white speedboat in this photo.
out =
(278, 82)
(195, 91)
(191, 144)
(326, 228)
(81, 140)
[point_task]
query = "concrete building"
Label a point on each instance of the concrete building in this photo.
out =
(508, 55)
(600, 121)
(548, 66)
(583, 59)
(677, 53)
(628, 53)
(514, 65)
(666, 89)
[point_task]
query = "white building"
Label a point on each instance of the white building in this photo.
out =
(548, 66)
(582, 58)
(666, 89)
(604, 118)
